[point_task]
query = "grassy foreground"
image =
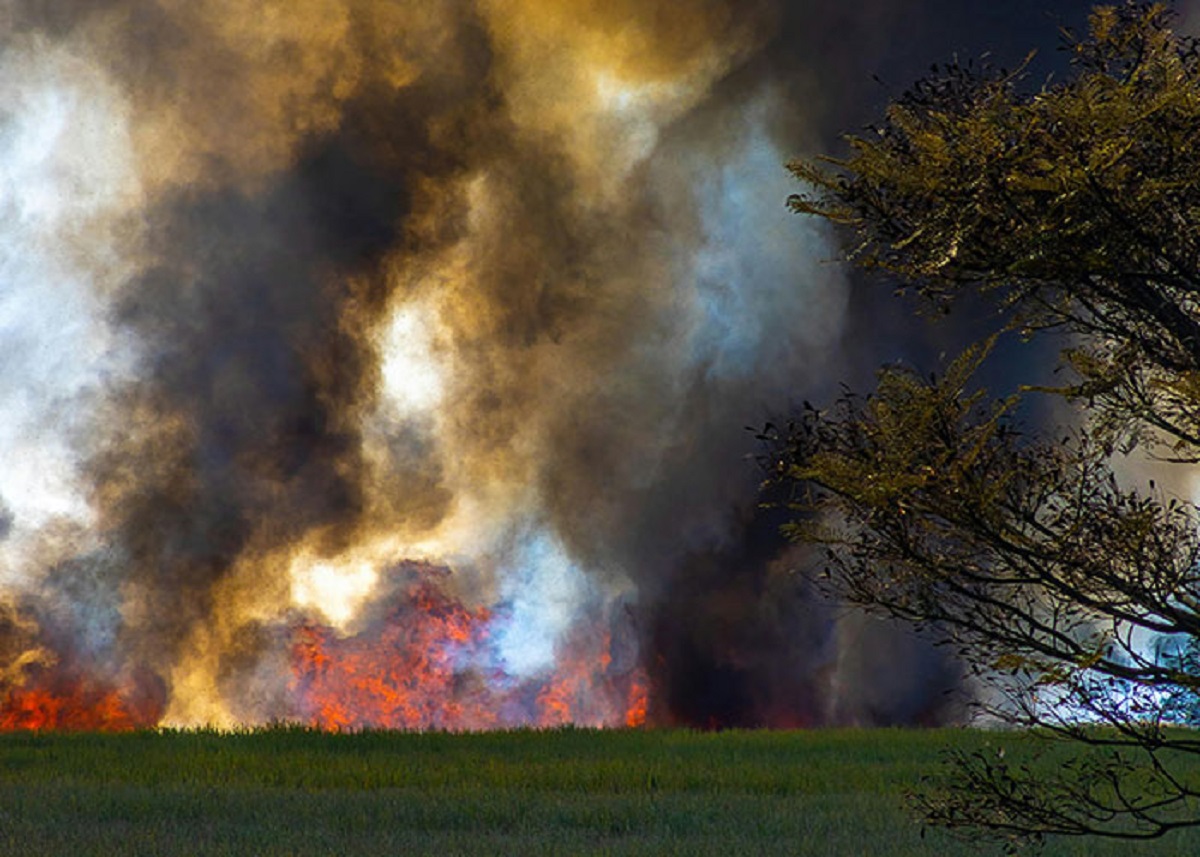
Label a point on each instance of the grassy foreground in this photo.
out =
(296, 792)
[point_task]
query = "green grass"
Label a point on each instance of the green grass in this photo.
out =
(296, 792)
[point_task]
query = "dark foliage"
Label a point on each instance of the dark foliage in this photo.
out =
(1072, 209)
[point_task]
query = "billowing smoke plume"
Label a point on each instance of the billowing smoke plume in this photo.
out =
(320, 314)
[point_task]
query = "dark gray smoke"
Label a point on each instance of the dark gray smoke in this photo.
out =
(299, 292)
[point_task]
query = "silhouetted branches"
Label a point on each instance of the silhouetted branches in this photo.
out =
(1074, 597)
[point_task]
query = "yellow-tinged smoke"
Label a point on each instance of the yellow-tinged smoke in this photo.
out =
(449, 281)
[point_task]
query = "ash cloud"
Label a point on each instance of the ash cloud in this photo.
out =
(476, 283)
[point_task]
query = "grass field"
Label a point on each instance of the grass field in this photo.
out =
(296, 792)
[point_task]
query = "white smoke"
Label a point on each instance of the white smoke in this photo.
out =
(67, 174)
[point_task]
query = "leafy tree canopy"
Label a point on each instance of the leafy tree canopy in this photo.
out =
(1074, 210)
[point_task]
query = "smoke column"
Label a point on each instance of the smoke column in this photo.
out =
(351, 341)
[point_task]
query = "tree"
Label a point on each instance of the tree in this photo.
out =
(1073, 210)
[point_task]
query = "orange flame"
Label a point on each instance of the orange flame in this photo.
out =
(432, 664)
(405, 676)
(639, 701)
(67, 704)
